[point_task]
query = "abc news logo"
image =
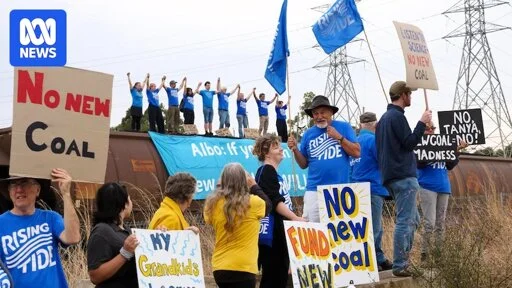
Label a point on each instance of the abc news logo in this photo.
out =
(38, 38)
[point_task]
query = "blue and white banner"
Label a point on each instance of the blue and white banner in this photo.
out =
(340, 24)
(276, 67)
(205, 157)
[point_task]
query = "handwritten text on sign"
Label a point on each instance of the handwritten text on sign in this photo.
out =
(168, 258)
(436, 147)
(346, 209)
(420, 72)
(61, 116)
(309, 251)
(466, 125)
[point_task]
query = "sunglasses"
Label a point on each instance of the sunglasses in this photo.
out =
(23, 183)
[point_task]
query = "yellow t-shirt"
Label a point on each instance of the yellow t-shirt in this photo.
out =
(237, 251)
(169, 215)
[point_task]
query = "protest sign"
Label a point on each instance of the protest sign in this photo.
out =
(205, 158)
(418, 64)
(436, 147)
(346, 210)
(168, 259)
(61, 119)
(466, 125)
(309, 251)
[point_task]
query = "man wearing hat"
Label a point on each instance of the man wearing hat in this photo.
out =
(173, 112)
(395, 144)
(325, 148)
(30, 236)
(366, 169)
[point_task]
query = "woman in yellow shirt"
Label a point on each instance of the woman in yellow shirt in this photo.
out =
(179, 192)
(234, 210)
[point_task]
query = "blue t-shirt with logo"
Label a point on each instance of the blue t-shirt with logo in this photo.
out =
(281, 112)
(241, 106)
(223, 100)
(172, 95)
(189, 102)
(434, 177)
(136, 98)
(366, 167)
(30, 248)
(262, 107)
(153, 97)
(284, 190)
(328, 163)
(207, 98)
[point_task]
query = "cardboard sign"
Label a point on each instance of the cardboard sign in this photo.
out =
(466, 125)
(309, 251)
(61, 119)
(346, 210)
(418, 64)
(168, 259)
(436, 147)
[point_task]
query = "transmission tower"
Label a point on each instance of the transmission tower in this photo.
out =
(339, 88)
(478, 85)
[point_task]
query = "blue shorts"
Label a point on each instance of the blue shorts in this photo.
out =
(208, 115)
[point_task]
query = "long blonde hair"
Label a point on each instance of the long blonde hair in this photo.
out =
(233, 188)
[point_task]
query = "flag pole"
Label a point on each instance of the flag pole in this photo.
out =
(290, 125)
(376, 67)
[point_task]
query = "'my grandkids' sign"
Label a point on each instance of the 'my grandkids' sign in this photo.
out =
(346, 210)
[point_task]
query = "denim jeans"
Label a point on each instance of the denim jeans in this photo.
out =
(243, 122)
(208, 114)
(404, 192)
(377, 204)
(433, 208)
(224, 119)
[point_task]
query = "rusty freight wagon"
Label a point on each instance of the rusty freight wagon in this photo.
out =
(133, 160)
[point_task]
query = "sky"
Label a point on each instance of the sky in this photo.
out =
(231, 39)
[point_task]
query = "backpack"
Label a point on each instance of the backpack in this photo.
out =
(182, 104)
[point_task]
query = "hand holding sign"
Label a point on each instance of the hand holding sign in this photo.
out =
(131, 243)
(426, 117)
(62, 177)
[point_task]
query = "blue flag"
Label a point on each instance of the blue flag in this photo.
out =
(276, 67)
(340, 24)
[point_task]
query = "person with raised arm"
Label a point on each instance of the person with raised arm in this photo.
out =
(136, 108)
(282, 128)
(188, 104)
(156, 120)
(223, 98)
(263, 111)
(173, 112)
(207, 95)
(241, 111)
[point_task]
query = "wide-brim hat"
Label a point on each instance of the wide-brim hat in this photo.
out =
(320, 101)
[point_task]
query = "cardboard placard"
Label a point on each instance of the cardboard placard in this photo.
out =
(466, 125)
(61, 119)
(418, 64)
(346, 211)
(168, 259)
(309, 251)
(436, 147)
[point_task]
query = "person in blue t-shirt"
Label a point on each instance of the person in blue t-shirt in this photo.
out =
(207, 95)
(325, 149)
(136, 109)
(30, 237)
(281, 126)
(223, 98)
(156, 120)
(366, 169)
(241, 112)
(188, 106)
(434, 193)
(263, 110)
(173, 112)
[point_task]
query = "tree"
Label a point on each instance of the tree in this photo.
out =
(125, 124)
(302, 121)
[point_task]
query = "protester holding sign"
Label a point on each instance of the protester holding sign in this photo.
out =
(136, 109)
(273, 253)
(366, 169)
(324, 146)
(155, 114)
(173, 112)
(263, 110)
(241, 112)
(30, 237)
(282, 129)
(223, 97)
(235, 215)
(395, 144)
(111, 246)
(207, 95)
(179, 192)
(434, 193)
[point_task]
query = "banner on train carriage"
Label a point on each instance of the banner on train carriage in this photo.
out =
(205, 157)
(168, 259)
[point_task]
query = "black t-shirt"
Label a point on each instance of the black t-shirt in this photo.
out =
(104, 244)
